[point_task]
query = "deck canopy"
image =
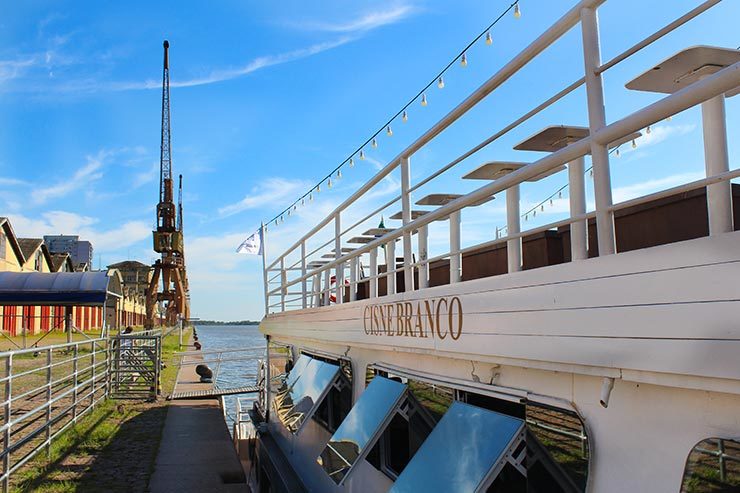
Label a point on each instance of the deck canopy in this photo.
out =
(58, 288)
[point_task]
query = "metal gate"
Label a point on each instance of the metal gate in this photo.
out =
(136, 360)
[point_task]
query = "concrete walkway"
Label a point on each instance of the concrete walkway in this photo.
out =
(196, 453)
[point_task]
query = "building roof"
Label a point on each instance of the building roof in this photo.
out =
(59, 259)
(57, 288)
(29, 246)
(129, 264)
(13, 239)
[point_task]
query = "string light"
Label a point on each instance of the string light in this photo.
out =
(648, 130)
(375, 143)
(289, 212)
(424, 100)
(328, 183)
(464, 60)
(534, 213)
(489, 39)
(542, 208)
(303, 201)
(550, 201)
(351, 162)
(634, 144)
(668, 118)
(441, 82)
(389, 131)
(591, 172)
(560, 195)
(517, 12)
(526, 217)
(616, 153)
(405, 116)
(339, 174)
(310, 197)
(318, 188)
(362, 155)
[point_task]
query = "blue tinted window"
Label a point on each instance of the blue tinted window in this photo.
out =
(461, 450)
(355, 435)
(303, 391)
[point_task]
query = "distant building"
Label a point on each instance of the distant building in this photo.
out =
(135, 278)
(81, 251)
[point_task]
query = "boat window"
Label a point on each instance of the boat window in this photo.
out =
(713, 466)
(469, 448)
(280, 363)
(303, 390)
(361, 427)
(557, 444)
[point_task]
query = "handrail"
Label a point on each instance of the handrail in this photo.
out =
(565, 23)
(722, 81)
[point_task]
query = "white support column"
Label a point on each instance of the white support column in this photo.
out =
(578, 229)
(283, 282)
(304, 282)
(716, 161)
(316, 288)
(265, 272)
(408, 270)
(513, 227)
(373, 282)
(456, 257)
(353, 279)
(390, 265)
(327, 287)
(423, 238)
(596, 121)
(339, 270)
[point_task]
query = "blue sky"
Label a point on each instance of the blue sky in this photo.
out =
(269, 96)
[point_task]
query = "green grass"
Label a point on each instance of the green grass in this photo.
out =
(112, 449)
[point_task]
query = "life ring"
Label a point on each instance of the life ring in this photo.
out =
(332, 283)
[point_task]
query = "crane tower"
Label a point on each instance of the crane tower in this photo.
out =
(168, 237)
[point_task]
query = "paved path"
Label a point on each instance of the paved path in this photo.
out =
(196, 453)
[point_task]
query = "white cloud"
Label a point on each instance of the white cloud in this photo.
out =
(63, 222)
(12, 182)
(85, 175)
(147, 176)
(366, 22)
(269, 191)
(12, 69)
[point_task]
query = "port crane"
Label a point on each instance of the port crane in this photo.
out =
(168, 236)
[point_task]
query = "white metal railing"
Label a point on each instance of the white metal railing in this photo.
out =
(40, 401)
(318, 286)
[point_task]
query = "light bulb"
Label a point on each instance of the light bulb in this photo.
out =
(310, 197)
(517, 12)
(634, 144)
(405, 117)
(328, 183)
(550, 201)
(424, 100)
(374, 143)
(339, 174)
(389, 131)
(289, 211)
(591, 172)
(441, 82)
(668, 119)
(542, 208)
(295, 208)
(648, 129)
(318, 188)
(526, 217)
(464, 60)
(617, 152)
(560, 195)
(303, 201)
(351, 163)
(362, 155)
(534, 213)
(489, 39)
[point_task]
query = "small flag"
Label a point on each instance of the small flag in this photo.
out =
(252, 245)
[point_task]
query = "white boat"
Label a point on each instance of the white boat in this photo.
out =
(600, 353)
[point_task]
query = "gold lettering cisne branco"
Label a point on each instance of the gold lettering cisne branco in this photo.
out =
(438, 318)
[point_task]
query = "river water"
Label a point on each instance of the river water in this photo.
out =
(232, 373)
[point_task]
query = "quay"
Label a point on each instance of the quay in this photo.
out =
(196, 453)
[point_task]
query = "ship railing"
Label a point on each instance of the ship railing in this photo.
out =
(722, 457)
(344, 269)
(40, 401)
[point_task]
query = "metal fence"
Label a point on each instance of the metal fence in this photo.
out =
(44, 391)
(135, 365)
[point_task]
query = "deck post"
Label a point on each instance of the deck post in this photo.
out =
(597, 121)
(716, 161)
(423, 238)
(283, 282)
(339, 269)
(327, 287)
(265, 278)
(373, 282)
(513, 227)
(408, 269)
(390, 267)
(455, 255)
(578, 229)
(353, 279)
(304, 282)
(316, 289)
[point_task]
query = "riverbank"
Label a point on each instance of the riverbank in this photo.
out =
(113, 449)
